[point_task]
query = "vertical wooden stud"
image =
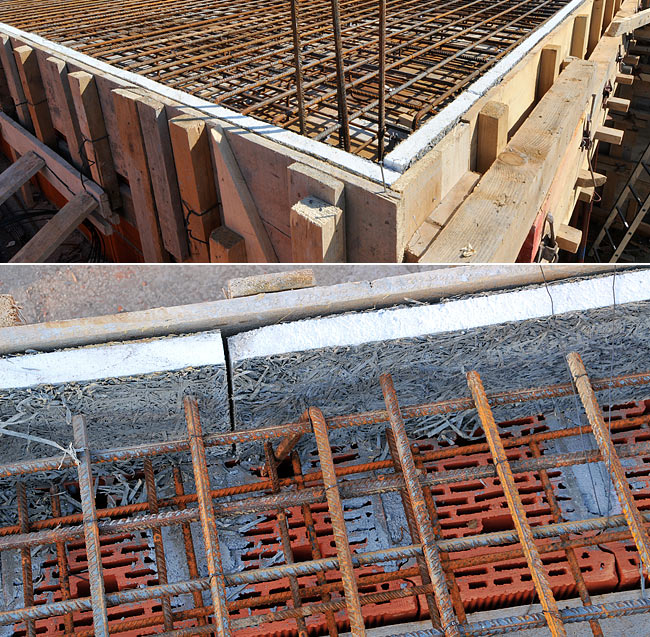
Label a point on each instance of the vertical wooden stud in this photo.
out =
(227, 246)
(492, 134)
(579, 36)
(13, 82)
(126, 111)
(549, 68)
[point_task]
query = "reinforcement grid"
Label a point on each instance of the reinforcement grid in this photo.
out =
(487, 516)
(358, 74)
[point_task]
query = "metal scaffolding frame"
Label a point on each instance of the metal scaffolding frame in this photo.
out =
(407, 471)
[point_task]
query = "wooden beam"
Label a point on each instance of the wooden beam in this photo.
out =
(155, 131)
(497, 217)
(317, 232)
(126, 112)
(568, 238)
(191, 147)
(227, 246)
(549, 68)
(617, 104)
(627, 24)
(56, 230)
(93, 130)
(240, 212)
(232, 316)
(59, 174)
(492, 134)
(585, 178)
(579, 36)
(30, 78)
(13, 82)
(273, 282)
(609, 135)
(54, 73)
(18, 173)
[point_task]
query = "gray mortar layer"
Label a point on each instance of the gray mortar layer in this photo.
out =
(339, 380)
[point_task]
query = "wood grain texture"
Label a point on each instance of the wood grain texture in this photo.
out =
(18, 173)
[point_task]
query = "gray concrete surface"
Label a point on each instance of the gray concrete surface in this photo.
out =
(54, 292)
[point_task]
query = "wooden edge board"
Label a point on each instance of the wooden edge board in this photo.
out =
(235, 315)
(627, 24)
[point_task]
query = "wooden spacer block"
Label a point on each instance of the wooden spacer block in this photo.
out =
(579, 37)
(617, 104)
(632, 60)
(305, 181)
(317, 232)
(567, 61)
(610, 135)
(585, 179)
(549, 68)
(492, 134)
(624, 78)
(586, 194)
(568, 238)
(274, 282)
(227, 246)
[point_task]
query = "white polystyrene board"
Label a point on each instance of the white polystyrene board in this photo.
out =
(419, 142)
(112, 361)
(410, 322)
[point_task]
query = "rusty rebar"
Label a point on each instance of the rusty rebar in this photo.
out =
(208, 521)
(517, 511)
(610, 457)
(353, 605)
(25, 555)
(188, 543)
(425, 530)
(159, 548)
(91, 530)
(62, 562)
(285, 537)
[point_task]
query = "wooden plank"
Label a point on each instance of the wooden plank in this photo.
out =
(54, 73)
(63, 177)
(492, 134)
(595, 24)
(157, 143)
(317, 232)
(6, 103)
(427, 232)
(497, 217)
(93, 130)
(609, 135)
(617, 104)
(549, 68)
(13, 81)
(30, 78)
(579, 36)
(586, 178)
(306, 181)
(56, 230)
(236, 315)
(273, 282)
(9, 311)
(608, 14)
(627, 24)
(18, 173)
(227, 246)
(126, 110)
(586, 194)
(240, 212)
(191, 148)
(568, 238)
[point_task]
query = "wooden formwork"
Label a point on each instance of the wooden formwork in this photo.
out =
(173, 183)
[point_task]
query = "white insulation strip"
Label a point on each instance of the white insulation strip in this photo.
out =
(112, 361)
(391, 324)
